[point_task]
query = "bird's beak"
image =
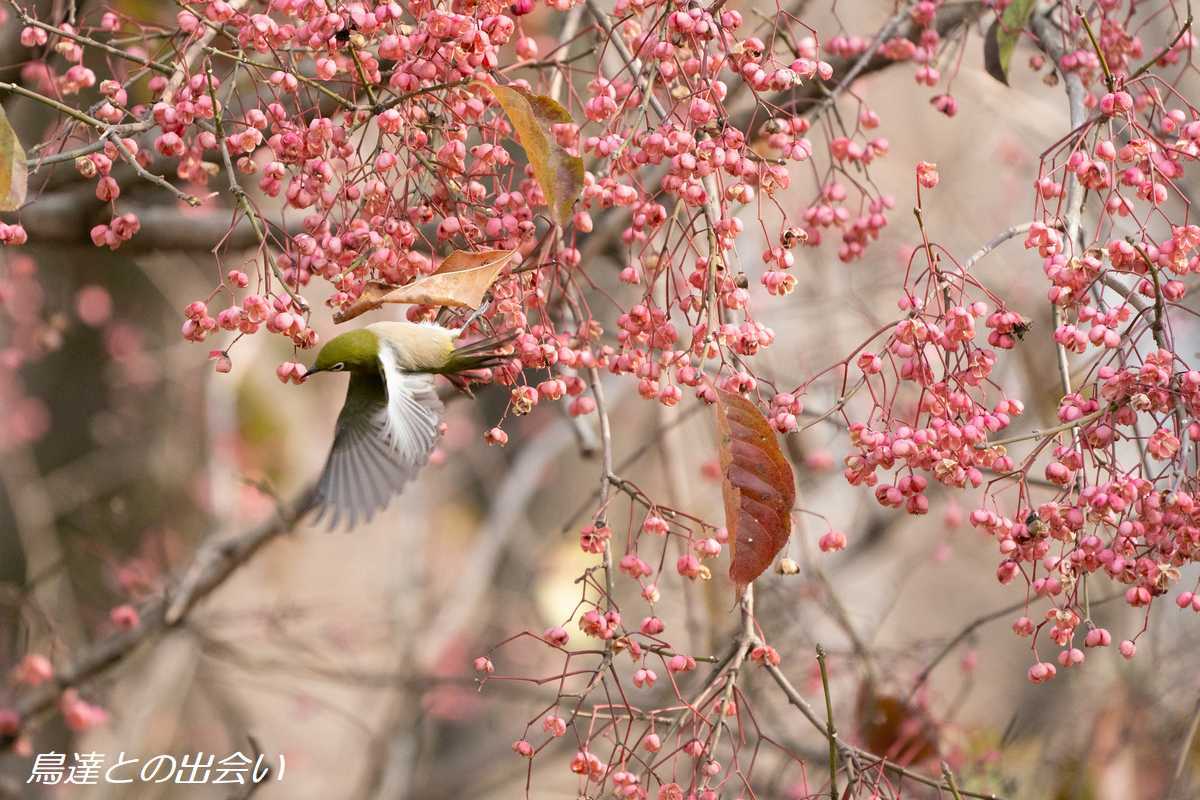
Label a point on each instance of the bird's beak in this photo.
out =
(314, 371)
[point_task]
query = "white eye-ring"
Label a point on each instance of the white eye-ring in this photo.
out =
(338, 367)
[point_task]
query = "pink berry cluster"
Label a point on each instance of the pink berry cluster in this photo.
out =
(355, 219)
(1083, 507)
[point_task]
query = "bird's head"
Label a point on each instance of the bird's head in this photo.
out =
(354, 351)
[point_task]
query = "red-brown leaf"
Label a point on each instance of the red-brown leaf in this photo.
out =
(757, 485)
(899, 731)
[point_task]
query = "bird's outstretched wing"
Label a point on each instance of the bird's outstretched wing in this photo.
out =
(385, 433)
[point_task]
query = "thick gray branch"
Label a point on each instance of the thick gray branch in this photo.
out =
(213, 564)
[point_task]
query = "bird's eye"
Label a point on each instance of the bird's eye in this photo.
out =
(338, 367)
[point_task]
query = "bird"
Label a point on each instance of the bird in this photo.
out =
(391, 419)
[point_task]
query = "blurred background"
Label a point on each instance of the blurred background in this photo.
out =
(121, 451)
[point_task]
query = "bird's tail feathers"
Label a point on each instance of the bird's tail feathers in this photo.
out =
(490, 351)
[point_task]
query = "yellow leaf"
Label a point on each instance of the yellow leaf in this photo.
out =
(559, 173)
(461, 281)
(14, 174)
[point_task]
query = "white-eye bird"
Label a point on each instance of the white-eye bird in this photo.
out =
(391, 419)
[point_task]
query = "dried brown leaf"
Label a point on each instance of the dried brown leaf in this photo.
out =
(559, 173)
(14, 174)
(461, 281)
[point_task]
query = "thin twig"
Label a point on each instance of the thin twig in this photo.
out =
(570, 28)
(150, 177)
(92, 147)
(885, 33)
(948, 776)
(842, 617)
(606, 475)
(1185, 750)
(996, 241)
(1048, 432)
(1109, 80)
(362, 76)
(522, 480)
(87, 41)
(307, 81)
(796, 699)
(973, 626)
(1150, 62)
(633, 64)
(235, 188)
(50, 102)
(830, 727)
(194, 51)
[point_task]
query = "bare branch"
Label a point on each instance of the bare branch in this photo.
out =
(216, 561)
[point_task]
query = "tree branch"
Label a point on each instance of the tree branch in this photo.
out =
(1048, 40)
(813, 97)
(213, 564)
(67, 217)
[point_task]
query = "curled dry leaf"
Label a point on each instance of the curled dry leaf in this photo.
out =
(461, 281)
(757, 485)
(533, 116)
(13, 170)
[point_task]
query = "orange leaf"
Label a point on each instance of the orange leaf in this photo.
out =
(14, 174)
(757, 485)
(461, 280)
(559, 173)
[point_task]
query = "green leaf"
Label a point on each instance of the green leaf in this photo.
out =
(14, 175)
(559, 173)
(991, 53)
(1002, 38)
